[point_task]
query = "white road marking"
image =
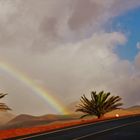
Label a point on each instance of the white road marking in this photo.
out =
(91, 134)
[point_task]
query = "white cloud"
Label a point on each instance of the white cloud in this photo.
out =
(138, 45)
(63, 46)
(42, 25)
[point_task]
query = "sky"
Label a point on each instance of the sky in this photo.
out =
(128, 23)
(70, 48)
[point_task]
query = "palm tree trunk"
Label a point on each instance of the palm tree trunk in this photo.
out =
(99, 116)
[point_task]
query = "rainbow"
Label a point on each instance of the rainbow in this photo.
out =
(40, 91)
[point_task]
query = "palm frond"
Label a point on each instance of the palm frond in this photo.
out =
(3, 106)
(2, 95)
(99, 104)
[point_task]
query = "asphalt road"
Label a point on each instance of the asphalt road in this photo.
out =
(127, 132)
(127, 128)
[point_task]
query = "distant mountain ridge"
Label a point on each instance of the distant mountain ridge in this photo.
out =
(134, 107)
(48, 117)
(24, 120)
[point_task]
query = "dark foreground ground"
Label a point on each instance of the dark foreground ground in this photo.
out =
(131, 132)
(127, 128)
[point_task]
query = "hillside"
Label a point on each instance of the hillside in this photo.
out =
(5, 117)
(9, 121)
(24, 120)
(136, 107)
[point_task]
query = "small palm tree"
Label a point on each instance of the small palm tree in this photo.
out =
(3, 106)
(99, 104)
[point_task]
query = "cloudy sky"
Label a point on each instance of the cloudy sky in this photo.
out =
(69, 47)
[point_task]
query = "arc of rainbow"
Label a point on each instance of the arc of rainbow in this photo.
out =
(36, 88)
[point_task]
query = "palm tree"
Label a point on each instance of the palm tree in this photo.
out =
(3, 106)
(99, 104)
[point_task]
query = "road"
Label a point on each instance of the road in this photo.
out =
(127, 128)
